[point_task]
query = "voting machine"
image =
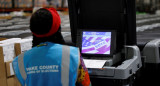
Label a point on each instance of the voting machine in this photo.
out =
(105, 32)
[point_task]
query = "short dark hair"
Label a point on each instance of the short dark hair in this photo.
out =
(41, 23)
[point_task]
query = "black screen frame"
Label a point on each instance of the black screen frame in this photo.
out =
(112, 48)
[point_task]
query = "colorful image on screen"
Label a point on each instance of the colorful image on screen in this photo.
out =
(96, 42)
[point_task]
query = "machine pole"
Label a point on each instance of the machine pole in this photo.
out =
(131, 19)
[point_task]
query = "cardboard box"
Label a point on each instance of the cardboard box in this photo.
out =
(1, 39)
(22, 46)
(23, 3)
(11, 78)
(11, 40)
(3, 80)
(7, 49)
(8, 52)
(17, 82)
(40, 3)
(11, 81)
(9, 69)
(6, 4)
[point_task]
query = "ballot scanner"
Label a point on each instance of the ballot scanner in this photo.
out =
(105, 32)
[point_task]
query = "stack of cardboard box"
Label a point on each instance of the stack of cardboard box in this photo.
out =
(22, 46)
(29, 3)
(23, 3)
(5, 3)
(40, 3)
(9, 49)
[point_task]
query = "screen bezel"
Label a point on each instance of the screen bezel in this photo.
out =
(112, 48)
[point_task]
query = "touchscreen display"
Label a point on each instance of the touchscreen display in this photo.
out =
(96, 42)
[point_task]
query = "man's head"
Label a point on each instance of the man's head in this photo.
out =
(45, 26)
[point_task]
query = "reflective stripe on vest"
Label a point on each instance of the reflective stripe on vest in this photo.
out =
(65, 62)
(64, 66)
(21, 66)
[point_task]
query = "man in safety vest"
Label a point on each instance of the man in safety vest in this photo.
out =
(50, 62)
